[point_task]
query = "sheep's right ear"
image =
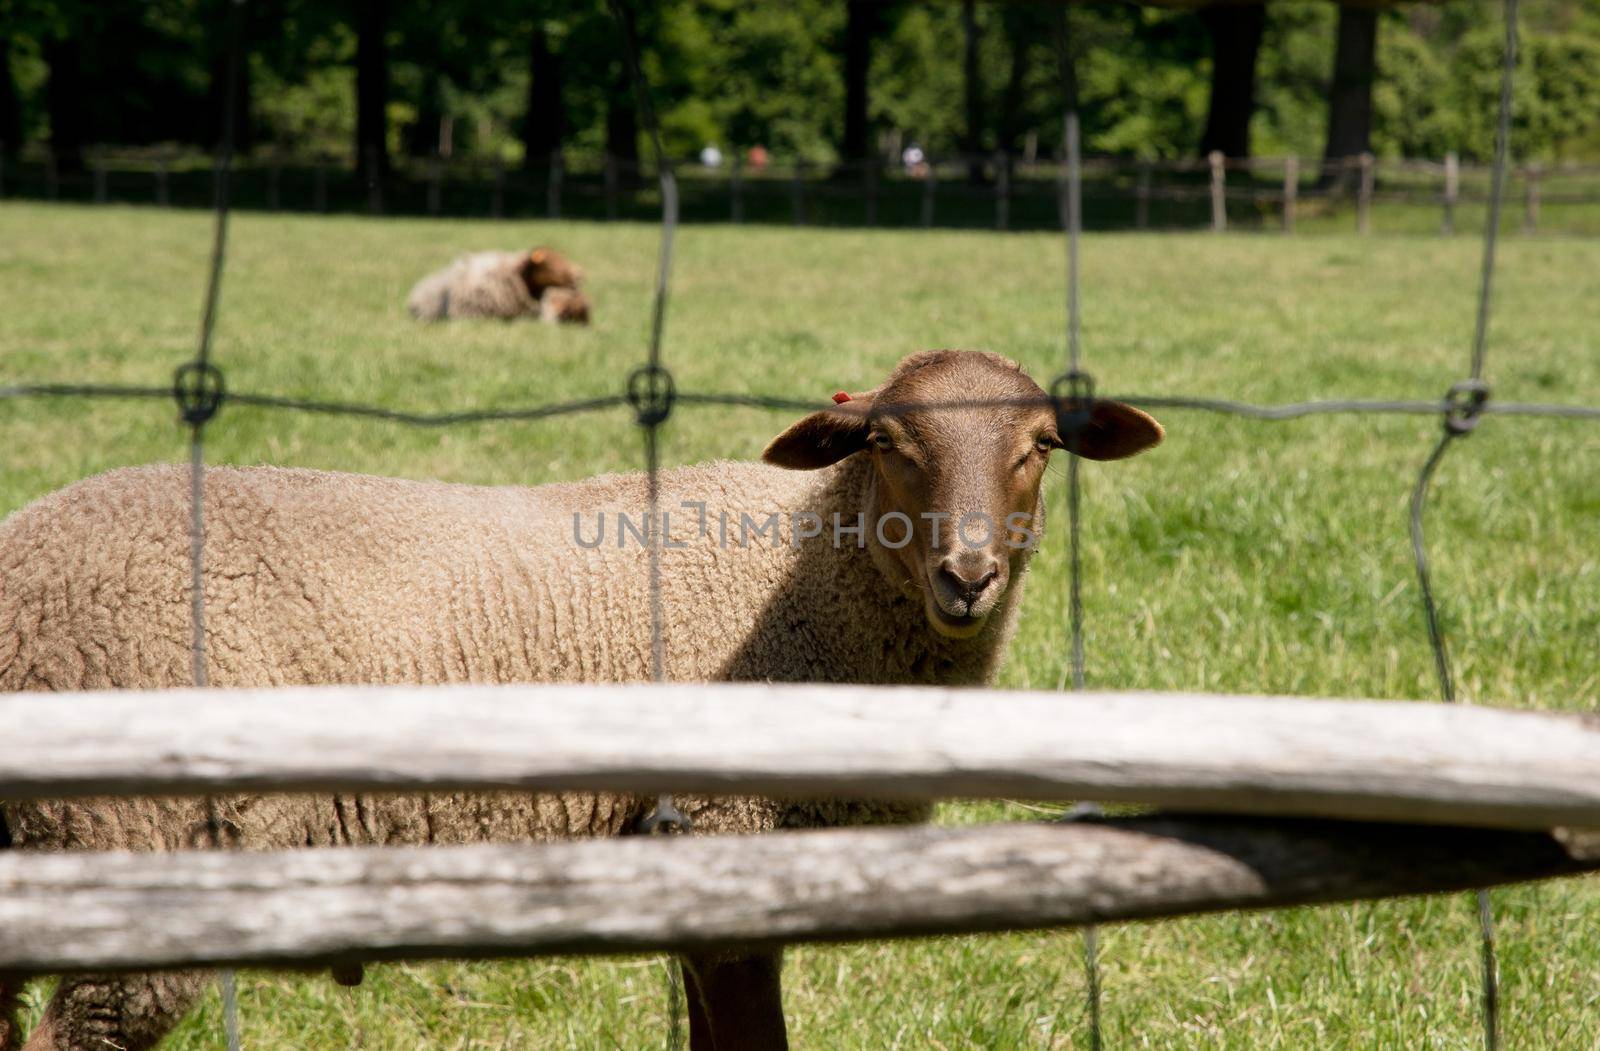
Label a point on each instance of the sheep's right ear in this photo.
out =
(823, 438)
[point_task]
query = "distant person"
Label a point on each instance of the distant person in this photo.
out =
(711, 157)
(915, 161)
(758, 157)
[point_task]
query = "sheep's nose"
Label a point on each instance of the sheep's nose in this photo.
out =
(968, 581)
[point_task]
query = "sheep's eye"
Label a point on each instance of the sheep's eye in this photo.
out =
(1044, 445)
(880, 440)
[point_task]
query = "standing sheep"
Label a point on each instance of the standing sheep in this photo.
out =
(541, 283)
(769, 575)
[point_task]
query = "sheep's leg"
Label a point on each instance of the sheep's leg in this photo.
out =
(131, 1012)
(735, 1002)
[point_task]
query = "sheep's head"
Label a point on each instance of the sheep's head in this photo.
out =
(544, 268)
(958, 442)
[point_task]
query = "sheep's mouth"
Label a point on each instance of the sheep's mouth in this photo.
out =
(951, 625)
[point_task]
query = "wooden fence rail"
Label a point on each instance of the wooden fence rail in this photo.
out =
(1364, 760)
(73, 912)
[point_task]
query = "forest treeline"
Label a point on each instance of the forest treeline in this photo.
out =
(823, 80)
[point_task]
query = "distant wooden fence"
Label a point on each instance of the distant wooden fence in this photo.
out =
(1451, 798)
(992, 190)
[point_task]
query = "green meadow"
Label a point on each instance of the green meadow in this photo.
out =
(1241, 556)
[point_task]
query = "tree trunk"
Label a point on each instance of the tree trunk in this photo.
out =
(217, 95)
(622, 128)
(10, 105)
(1355, 63)
(64, 100)
(861, 18)
(1235, 39)
(973, 143)
(1019, 30)
(545, 122)
(372, 89)
(422, 137)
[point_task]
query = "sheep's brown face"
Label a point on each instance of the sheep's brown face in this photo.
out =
(955, 506)
(546, 268)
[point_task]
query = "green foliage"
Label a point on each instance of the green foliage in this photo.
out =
(735, 74)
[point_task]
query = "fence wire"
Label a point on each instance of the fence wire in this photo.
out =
(651, 393)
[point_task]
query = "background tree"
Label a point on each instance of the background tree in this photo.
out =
(372, 89)
(1236, 31)
(1355, 65)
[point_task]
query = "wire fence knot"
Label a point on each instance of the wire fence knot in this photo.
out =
(1464, 404)
(198, 388)
(652, 393)
(1072, 395)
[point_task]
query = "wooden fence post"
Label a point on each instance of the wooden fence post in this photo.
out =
(1291, 191)
(374, 182)
(1141, 203)
(275, 183)
(435, 185)
(797, 192)
(930, 187)
(319, 187)
(162, 198)
(1364, 198)
(610, 177)
(1452, 187)
(497, 191)
(1219, 192)
(553, 188)
(2, 168)
(1002, 191)
(870, 173)
(99, 179)
(1530, 204)
(736, 190)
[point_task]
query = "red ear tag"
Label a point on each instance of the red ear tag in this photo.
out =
(840, 398)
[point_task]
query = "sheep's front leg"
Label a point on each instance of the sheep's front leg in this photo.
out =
(131, 1012)
(735, 1002)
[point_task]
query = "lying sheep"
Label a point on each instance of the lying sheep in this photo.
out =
(540, 283)
(327, 578)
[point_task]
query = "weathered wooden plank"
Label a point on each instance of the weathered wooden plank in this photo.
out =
(1363, 760)
(110, 911)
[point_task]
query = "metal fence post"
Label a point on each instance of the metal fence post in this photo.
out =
(435, 185)
(1291, 191)
(553, 187)
(610, 176)
(1452, 188)
(1002, 191)
(1364, 198)
(736, 191)
(1530, 205)
(930, 188)
(1141, 202)
(1219, 192)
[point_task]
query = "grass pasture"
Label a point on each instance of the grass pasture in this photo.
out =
(1241, 556)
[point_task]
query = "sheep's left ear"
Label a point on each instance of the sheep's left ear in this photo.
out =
(823, 438)
(1113, 430)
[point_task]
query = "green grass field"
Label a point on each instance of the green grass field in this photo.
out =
(1240, 556)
